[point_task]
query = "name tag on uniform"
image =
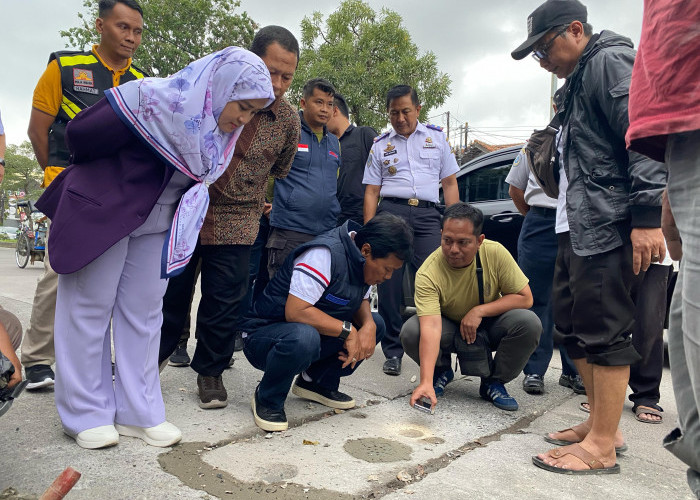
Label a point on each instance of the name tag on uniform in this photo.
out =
(89, 90)
(429, 143)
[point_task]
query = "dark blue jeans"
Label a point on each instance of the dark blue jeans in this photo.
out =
(283, 350)
(537, 253)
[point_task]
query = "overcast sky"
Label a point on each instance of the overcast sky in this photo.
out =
(471, 39)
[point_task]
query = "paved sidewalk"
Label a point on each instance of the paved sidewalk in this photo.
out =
(381, 449)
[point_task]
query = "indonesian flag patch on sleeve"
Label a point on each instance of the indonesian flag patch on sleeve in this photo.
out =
(303, 148)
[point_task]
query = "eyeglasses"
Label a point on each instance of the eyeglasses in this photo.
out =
(543, 52)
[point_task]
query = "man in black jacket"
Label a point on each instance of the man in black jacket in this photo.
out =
(355, 144)
(613, 205)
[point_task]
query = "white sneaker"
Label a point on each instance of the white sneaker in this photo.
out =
(162, 435)
(97, 437)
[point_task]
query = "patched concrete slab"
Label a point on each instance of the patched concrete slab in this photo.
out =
(401, 436)
(503, 468)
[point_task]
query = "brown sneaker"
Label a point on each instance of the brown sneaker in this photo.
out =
(212, 393)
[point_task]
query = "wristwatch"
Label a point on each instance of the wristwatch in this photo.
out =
(347, 328)
(2, 161)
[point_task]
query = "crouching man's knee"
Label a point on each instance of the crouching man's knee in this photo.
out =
(531, 328)
(381, 326)
(304, 345)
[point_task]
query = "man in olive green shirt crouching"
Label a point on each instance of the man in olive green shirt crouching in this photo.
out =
(471, 298)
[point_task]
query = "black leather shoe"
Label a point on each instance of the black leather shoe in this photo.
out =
(266, 418)
(328, 397)
(533, 384)
(392, 366)
(574, 382)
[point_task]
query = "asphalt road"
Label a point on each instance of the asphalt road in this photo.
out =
(381, 449)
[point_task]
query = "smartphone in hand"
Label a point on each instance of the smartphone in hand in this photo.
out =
(424, 404)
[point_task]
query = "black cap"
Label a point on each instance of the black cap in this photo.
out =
(549, 15)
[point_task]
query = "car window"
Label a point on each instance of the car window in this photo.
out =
(488, 183)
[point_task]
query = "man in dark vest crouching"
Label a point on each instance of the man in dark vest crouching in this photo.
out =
(314, 319)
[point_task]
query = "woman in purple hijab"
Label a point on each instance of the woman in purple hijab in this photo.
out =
(125, 217)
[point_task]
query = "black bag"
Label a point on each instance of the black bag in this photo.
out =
(475, 358)
(541, 152)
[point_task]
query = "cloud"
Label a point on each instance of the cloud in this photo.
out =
(471, 39)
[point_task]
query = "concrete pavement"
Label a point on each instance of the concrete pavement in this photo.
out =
(381, 449)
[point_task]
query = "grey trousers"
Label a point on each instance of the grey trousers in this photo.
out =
(683, 161)
(13, 327)
(514, 335)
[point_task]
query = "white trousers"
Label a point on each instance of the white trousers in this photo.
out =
(123, 285)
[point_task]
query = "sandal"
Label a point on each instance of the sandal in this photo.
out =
(650, 410)
(595, 465)
(585, 406)
(563, 442)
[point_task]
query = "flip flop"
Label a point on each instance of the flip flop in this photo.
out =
(639, 409)
(584, 406)
(595, 465)
(563, 442)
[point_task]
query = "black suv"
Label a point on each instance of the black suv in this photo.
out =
(482, 183)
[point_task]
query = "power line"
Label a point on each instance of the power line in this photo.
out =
(489, 132)
(497, 137)
(515, 127)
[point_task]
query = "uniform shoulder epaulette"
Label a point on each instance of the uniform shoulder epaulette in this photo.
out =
(382, 136)
(434, 127)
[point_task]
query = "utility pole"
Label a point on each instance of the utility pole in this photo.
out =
(448, 124)
(466, 134)
(552, 90)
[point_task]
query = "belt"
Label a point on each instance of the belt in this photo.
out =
(545, 212)
(414, 202)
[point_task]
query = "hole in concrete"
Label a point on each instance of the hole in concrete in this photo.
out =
(274, 473)
(411, 433)
(376, 450)
(433, 440)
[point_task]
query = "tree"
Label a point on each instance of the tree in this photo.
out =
(363, 54)
(22, 174)
(175, 32)
(22, 171)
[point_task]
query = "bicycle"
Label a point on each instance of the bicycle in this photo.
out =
(31, 242)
